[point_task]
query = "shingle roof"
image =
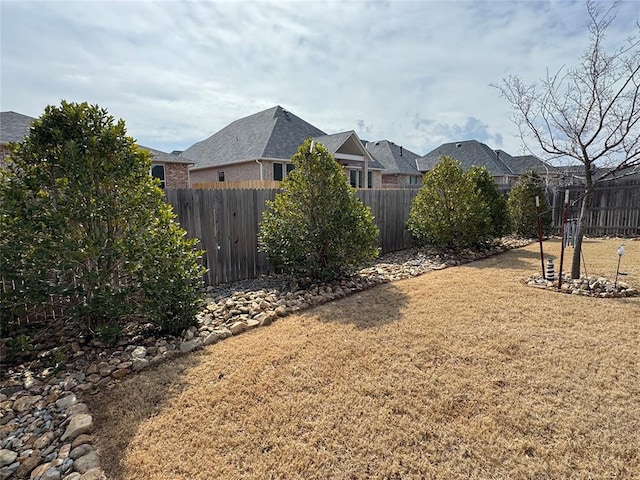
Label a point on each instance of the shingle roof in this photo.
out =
(524, 163)
(394, 158)
(164, 157)
(14, 126)
(469, 153)
(273, 133)
(335, 141)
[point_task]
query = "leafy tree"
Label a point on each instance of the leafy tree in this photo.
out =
(493, 198)
(316, 226)
(84, 228)
(449, 210)
(522, 205)
(589, 113)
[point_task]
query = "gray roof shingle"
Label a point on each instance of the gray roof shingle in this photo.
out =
(394, 158)
(272, 133)
(524, 163)
(164, 157)
(14, 126)
(469, 153)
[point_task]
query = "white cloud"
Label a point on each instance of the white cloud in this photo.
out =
(416, 73)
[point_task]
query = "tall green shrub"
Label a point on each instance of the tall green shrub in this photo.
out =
(493, 198)
(449, 210)
(522, 205)
(316, 226)
(84, 228)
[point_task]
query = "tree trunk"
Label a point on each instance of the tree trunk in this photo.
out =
(577, 249)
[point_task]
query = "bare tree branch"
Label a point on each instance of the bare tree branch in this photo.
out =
(590, 113)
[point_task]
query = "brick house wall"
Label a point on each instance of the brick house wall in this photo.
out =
(400, 180)
(176, 175)
(392, 179)
(239, 172)
(242, 172)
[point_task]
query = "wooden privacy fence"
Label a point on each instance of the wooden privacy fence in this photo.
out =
(615, 208)
(227, 223)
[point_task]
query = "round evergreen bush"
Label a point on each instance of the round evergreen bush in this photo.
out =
(315, 226)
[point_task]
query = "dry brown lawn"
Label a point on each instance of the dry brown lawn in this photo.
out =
(459, 373)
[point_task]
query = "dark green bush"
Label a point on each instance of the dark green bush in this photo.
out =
(449, 210)
(84, 228)
(494, 199)
(522, 205)
(316, 226)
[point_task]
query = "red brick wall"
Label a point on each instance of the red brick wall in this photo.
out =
(176, 175)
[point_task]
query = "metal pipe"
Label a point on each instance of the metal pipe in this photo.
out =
(565, 209)
(540, 236)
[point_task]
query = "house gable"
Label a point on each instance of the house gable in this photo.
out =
(348, 149)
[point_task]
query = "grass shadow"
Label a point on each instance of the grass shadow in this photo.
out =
(124, 407)
(373, 308)
(518, 258)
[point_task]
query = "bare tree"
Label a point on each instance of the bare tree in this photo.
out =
(590, 113)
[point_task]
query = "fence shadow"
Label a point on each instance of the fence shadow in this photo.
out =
(518, 258)
(122, 409)
(376, 307)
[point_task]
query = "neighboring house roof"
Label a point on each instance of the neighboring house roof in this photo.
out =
(273, 133)
(524, 163)
(164, 157)
(394, 158)
(348, 143)
(469, 153)
(14, 126)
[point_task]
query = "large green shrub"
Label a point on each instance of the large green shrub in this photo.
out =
(84, 228)
(449, 210)
(316, 226)
(522, 205)
(493, 198)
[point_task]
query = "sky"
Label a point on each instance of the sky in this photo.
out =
(417, 73)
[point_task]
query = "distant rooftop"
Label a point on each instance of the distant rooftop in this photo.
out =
(14, 126)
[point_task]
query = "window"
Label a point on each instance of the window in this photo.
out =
(277, 171)
(221, 176)
(413, 180)
(353, 178)
(157, 171)
(290, 168)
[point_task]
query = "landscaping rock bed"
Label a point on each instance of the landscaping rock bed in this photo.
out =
(587, 286)
(46, 430)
